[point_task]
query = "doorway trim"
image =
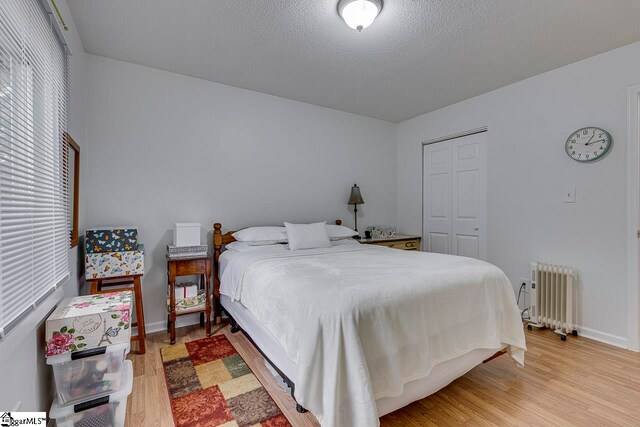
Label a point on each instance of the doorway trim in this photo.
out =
(456, 135)
(484, 208)
(633, 217)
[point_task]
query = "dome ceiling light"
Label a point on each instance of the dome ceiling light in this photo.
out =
(359, 14)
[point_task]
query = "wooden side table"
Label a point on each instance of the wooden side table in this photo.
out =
(189, 266)
(124, 283)
(408, 243)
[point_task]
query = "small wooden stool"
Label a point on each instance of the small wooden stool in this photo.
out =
(125, 283)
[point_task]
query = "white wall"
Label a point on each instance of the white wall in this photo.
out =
(527, 171)
(25, 376)
(168, 148)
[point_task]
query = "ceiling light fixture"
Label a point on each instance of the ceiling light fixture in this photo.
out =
(359, 14)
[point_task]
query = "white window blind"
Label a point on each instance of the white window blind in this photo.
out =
(34, 199)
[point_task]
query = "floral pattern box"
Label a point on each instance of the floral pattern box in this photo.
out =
(193, 303)
(86, 322)
(114, 264)
(100, 240)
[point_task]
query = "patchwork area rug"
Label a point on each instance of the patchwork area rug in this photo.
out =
(210, 385)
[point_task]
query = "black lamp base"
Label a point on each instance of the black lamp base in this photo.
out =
(355, 221)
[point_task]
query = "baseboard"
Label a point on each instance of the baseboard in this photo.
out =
(604, 337)
(182, 321)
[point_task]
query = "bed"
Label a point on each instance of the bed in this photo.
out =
(358, 331)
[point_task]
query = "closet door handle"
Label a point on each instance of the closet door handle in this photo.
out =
(475, 228)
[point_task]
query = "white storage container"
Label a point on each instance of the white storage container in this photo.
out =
(109, 410)
(88, 374)
(186, 234)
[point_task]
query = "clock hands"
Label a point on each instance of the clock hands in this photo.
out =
(593, 142)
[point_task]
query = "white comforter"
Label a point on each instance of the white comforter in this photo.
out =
(360, 321)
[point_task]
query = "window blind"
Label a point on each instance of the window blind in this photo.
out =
(34, 198)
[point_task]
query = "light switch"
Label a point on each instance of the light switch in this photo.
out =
(569, 194)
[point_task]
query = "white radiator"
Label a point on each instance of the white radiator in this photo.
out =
(552, 298)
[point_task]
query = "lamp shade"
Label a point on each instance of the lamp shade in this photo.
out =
(356, 197)
(359, 14)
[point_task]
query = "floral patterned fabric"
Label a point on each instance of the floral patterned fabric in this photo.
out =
(85, 322)
(111, 240)
(114, 264)
(63, 341)
(190, 303)
(210, 385)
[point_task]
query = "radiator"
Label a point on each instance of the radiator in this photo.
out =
(551, 299)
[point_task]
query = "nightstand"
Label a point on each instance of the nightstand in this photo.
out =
(189, 266)
(408, 243)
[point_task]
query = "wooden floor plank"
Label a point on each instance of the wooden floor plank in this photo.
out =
(577, 382)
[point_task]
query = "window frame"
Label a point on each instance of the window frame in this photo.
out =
(71, 144)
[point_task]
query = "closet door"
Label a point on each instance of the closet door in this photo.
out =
(454, 196)
(437, 198)
(467, 196)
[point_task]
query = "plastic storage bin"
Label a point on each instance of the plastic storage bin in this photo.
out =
(88, 374)
(109, 410)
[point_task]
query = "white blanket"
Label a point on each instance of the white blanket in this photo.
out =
(361, 321)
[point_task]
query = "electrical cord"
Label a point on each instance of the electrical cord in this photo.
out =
(519, 294)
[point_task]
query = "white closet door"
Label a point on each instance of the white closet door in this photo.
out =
(437, 198)
(467, 196)
(455, 196)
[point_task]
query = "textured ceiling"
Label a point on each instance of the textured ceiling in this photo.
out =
(418, 56)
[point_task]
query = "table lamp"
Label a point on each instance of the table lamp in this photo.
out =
(355, 199)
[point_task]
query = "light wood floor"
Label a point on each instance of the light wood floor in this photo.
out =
(579, 382)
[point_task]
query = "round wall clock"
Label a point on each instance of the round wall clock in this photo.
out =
(588, 144)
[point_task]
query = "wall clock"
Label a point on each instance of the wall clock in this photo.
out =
(588, 144)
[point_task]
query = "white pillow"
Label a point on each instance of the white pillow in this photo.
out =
(343, 242)
(238, 246)
(339, 232)
(307, 236)
(257, 236)
(243, 247)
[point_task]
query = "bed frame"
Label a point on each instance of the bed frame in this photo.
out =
(219, 241)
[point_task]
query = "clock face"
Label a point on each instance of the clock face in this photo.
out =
(588, 144)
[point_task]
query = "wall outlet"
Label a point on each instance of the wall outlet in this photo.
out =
(524, 295)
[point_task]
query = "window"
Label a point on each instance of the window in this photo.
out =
(34, 200)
